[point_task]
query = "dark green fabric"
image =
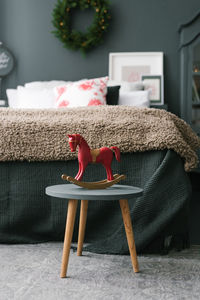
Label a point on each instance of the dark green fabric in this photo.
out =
(27, 215)
(112, 96)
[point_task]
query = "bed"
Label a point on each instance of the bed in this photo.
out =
(157, 150)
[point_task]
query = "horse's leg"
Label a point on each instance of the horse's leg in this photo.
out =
(80, 176)
(108, 171)
(79, 170)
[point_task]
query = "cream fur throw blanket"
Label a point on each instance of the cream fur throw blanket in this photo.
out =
(40, 135)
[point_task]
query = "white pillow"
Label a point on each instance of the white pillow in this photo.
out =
(30, 98)
(82, 93)
(134, 98)
(45, 84)
(113, 83)
(12, 98)
(35, 98)
(37, 94)
(131, 86)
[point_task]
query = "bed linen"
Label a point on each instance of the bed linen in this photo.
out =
(40, 135)
(157, 148)
(160, 216)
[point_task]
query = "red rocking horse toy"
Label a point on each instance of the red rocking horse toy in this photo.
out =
(86, 155)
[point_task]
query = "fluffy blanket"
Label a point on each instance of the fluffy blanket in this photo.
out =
(40, 135)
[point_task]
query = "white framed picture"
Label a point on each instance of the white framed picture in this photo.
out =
(131, 66)
(153, 83)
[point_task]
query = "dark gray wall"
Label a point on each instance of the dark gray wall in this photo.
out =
(137, 25)
(197, 53)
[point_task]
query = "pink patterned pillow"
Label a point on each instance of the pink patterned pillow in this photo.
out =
(82, 93)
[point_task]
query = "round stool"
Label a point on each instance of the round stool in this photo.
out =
(75, 193)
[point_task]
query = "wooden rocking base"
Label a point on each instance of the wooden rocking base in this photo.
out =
(103, 184)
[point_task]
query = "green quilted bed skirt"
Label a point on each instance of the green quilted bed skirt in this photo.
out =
(159, 216)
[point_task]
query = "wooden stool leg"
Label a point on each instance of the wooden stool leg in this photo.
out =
(129, 233)
(82, 223)
(71, 214)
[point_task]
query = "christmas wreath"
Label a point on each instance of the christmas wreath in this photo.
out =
(75, 39)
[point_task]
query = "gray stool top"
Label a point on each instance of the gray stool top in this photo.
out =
(115, 192)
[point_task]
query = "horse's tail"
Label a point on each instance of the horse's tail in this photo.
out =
(117, 152)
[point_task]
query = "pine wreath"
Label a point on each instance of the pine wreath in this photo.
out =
(75, 39)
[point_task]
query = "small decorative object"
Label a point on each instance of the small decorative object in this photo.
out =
(86, 155)
(196, 66)
(6, 63)
(153, 83)
(75, 39)
(131, 66)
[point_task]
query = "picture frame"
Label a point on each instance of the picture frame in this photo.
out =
(131, 66)
(154, 84)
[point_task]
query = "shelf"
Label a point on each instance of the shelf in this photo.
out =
(196, 104)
